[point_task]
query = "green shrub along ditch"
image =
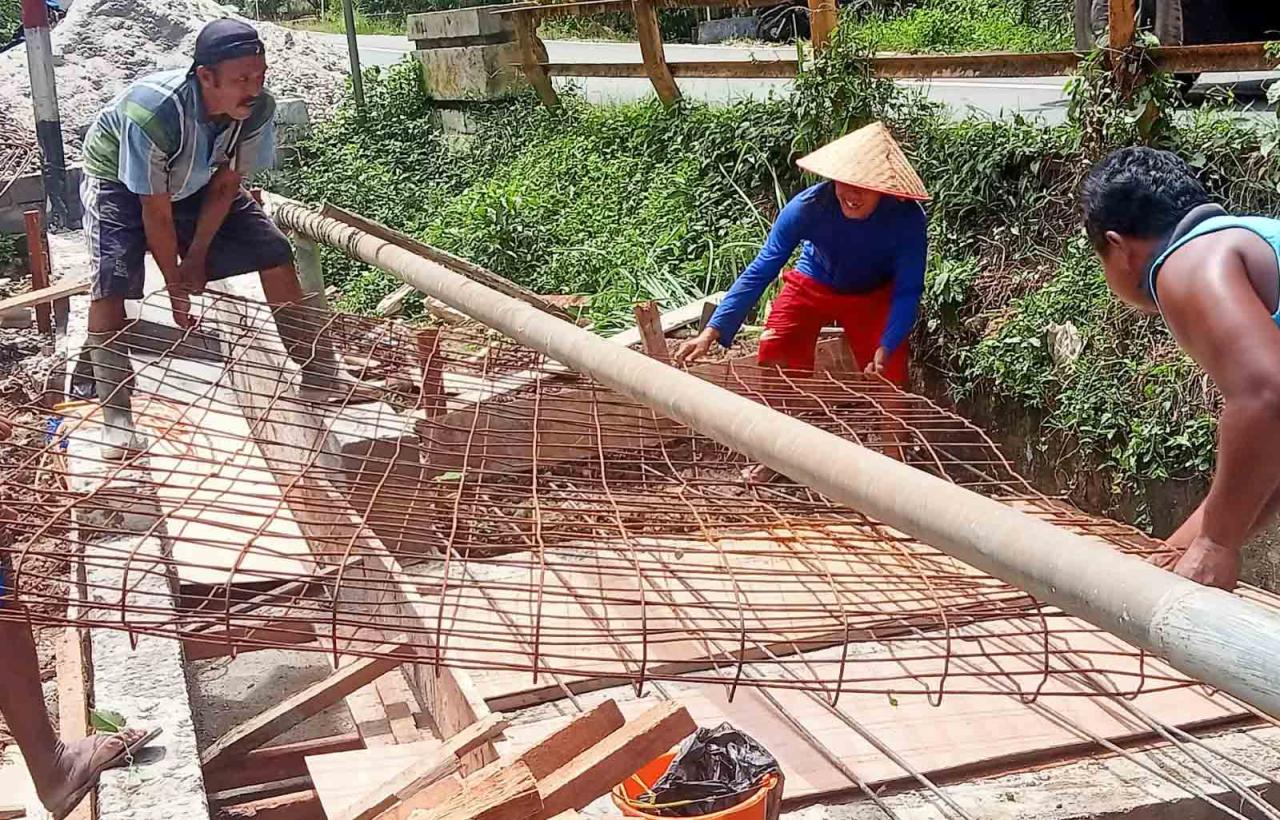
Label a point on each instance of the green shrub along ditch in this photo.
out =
(633, 202)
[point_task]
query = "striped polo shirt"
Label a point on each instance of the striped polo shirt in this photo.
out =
(155, 138)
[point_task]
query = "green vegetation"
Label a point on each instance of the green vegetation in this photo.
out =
(946, 26)
(332, 23)
(634, 202)
(10, 17)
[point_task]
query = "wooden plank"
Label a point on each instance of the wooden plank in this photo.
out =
(38, 257)
(276, 762)
(563, 745)
(393, 303)
(506, 793)
(74, 684)
(259, 791)
(617, 757)
(325, 516)
(456, 264)
(441, 763)
(310, 701)
(343, 778)
(649, 323)
(301, 805)
(58, 290)
(973, 735)
(655, 60)
(214, 487)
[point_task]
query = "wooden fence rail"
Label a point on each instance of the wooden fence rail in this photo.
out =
(663, 73)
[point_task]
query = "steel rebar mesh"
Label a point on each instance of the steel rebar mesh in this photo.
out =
(491, 510)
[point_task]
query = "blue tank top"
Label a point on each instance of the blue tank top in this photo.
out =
(1268, 229)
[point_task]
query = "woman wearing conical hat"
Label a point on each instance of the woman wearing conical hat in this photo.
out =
(862, 235)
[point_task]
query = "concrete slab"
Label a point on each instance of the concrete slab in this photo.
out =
(226, 692)
(463, 26)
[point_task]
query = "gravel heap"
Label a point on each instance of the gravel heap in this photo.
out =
(103, 45)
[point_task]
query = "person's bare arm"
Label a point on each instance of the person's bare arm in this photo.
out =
(1218, 319)
(218, 197)
(162, 241)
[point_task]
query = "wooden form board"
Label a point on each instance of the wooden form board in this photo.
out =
(225, 514)
(388, 611)
(343, 778)
(973, 734)
(602, 592)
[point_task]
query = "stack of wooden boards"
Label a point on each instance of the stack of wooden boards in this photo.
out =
(564, 772)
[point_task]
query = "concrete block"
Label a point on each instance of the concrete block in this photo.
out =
(472, 72)
(142, 678)
(458, 122)
(462, 26)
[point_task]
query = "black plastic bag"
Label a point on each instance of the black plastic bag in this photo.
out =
(714, 770)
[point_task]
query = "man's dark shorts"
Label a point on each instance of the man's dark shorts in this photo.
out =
(247, 241)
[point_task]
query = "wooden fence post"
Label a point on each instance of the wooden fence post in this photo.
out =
(822, 22)
(38, 257)
(1122, 23)
(532, 55)
(655, 60)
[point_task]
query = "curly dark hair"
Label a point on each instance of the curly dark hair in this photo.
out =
(1138, 192)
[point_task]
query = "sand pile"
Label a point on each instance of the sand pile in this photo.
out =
(103, 45)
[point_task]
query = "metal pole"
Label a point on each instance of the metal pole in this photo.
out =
(353, 50)
(64, 210)
(1208, 634)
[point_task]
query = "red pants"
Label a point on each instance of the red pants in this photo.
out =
(805, 306)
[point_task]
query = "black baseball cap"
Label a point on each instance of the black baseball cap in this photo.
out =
(226, 39)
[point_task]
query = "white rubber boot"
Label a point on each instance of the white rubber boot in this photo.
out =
(301, 327)
(113, 377)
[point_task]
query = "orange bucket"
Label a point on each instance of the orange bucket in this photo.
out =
(755, 807)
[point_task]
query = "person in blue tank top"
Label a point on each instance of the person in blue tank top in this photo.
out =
(1166, 247)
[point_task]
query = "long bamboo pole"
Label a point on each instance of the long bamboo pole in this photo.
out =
(1209, 634)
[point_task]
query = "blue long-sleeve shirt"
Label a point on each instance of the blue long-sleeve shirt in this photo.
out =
(846, 255)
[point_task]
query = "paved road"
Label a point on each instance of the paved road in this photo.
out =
(1035, 96)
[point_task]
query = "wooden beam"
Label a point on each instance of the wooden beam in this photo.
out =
(431, 398)
(649, 323)
(440, 764)
(505, 793)
(302, 805)
(655, 60)
(275, 762)
(468, 269)
(75, 680)
(310, 701)
(564, 745)
(58, 290)
(1227, 57)
(612, 760)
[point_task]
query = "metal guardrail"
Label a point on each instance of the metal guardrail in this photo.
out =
(663, 74)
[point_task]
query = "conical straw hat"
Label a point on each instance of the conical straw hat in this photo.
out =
(867, 158)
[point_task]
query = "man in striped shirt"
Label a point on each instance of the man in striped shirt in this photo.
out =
(163, 167)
